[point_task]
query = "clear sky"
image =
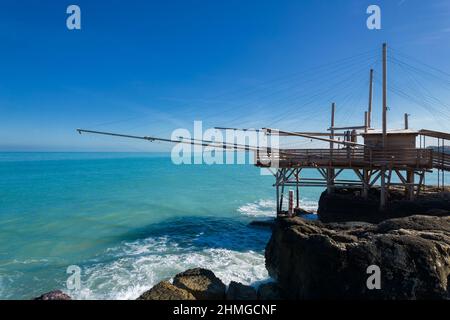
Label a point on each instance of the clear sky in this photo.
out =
(149, 67)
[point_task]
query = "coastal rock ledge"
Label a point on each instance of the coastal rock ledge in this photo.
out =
(315, 260)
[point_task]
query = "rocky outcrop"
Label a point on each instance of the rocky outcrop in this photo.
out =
(314, 260)
(239, 291)
(166, 291)
(348, 205)
(54, 295)
(269, 291)
(201, 283)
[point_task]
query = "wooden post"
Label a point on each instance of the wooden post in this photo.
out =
(383, 189)
(383, 195)
(384, 94)
(298, 189)
(369, 119)
(366, 182)
(330, 171)
(278, 192)
(410, 186)
(366, 121)
(291, 202)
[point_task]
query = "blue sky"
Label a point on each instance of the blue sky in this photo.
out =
(149, 67)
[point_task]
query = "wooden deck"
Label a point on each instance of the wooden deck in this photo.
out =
(359, 158)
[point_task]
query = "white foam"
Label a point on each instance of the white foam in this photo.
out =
(266, 208)
(261, 208)
(140, 265)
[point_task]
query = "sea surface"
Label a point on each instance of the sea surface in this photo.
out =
(128, 221)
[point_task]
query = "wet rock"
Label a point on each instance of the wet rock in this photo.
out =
(314, 260)
(269, 291)
(201, 283)
(166, 291)
(54, 295)
(239, 291)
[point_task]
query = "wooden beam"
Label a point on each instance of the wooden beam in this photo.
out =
(348, 143)
(347, 128)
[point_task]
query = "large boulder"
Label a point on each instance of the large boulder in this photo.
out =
(239, 291)
(166, 291)
(54, 295)
(201, 283)
(313, 260)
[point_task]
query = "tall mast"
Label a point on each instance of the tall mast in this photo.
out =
(333, 110)
(369, 112)
(384, 94)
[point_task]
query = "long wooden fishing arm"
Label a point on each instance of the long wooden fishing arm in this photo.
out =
(204, 143)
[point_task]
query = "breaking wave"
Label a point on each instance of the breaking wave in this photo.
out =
(137, 266)
(231, 249)
(266, 208)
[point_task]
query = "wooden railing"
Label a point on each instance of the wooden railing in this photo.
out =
(353, 156)
(441, 160)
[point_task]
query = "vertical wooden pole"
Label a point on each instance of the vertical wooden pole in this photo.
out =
(291, 202)
(330, 171)
(282, 189)
(383, 189)
(369, 119)
(298, 189)
(366, 183)
(278, 191)
(383, 195)
(384, 94)
(410, 181)
(366, 121)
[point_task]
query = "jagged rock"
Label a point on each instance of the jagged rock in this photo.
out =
(54, 295)
(348, 205)
(166, 291)
(313, 260)
(269, 291)
(201, 283)
(239, 291)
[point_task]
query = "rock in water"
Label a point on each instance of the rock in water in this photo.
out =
(239, 291)
(269, 291)
(202, 283)
(166, 291)
(313, 260)
(54, 295)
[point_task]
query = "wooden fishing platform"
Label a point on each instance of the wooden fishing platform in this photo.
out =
(382, 155)
(378, 158)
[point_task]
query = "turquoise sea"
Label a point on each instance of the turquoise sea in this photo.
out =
(128, 220)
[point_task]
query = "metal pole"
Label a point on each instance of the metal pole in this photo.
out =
(406, 121)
